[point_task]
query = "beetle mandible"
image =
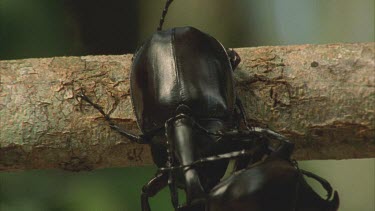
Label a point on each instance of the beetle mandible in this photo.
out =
(183, 96)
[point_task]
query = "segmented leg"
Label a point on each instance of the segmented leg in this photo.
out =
(246, 140)
(132, 137)
(234, 58)
(152, 188)
(242, 112)
(270, 133)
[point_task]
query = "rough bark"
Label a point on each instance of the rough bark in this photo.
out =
(320, 96)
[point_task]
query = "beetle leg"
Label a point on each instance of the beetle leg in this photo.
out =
(251, 134)
(224, 156)
(248, 139)
(234, 58)
(257, 129)
(242, 112)
(132, 137)
(270, 133)
(255, 147)
(152, 188)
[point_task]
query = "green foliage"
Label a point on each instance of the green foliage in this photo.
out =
(56, 190)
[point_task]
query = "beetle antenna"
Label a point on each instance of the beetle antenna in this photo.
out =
(164, 14)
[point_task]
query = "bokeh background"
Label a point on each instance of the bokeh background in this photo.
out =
(45, 28)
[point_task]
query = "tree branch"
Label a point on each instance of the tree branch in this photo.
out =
(320, 96)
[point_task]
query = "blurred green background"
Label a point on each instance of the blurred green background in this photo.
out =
(44, 28)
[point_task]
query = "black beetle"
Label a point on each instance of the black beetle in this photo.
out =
(184, 100)
(273, 184)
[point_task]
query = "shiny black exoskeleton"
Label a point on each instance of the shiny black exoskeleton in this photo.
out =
(193, 79)
(273, 184)
(184, 100)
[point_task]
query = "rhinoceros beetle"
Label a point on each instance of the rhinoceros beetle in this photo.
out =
(184, 100)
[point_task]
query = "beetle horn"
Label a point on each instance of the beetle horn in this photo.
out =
(182, 149)
(308, 198)
(334, 203)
